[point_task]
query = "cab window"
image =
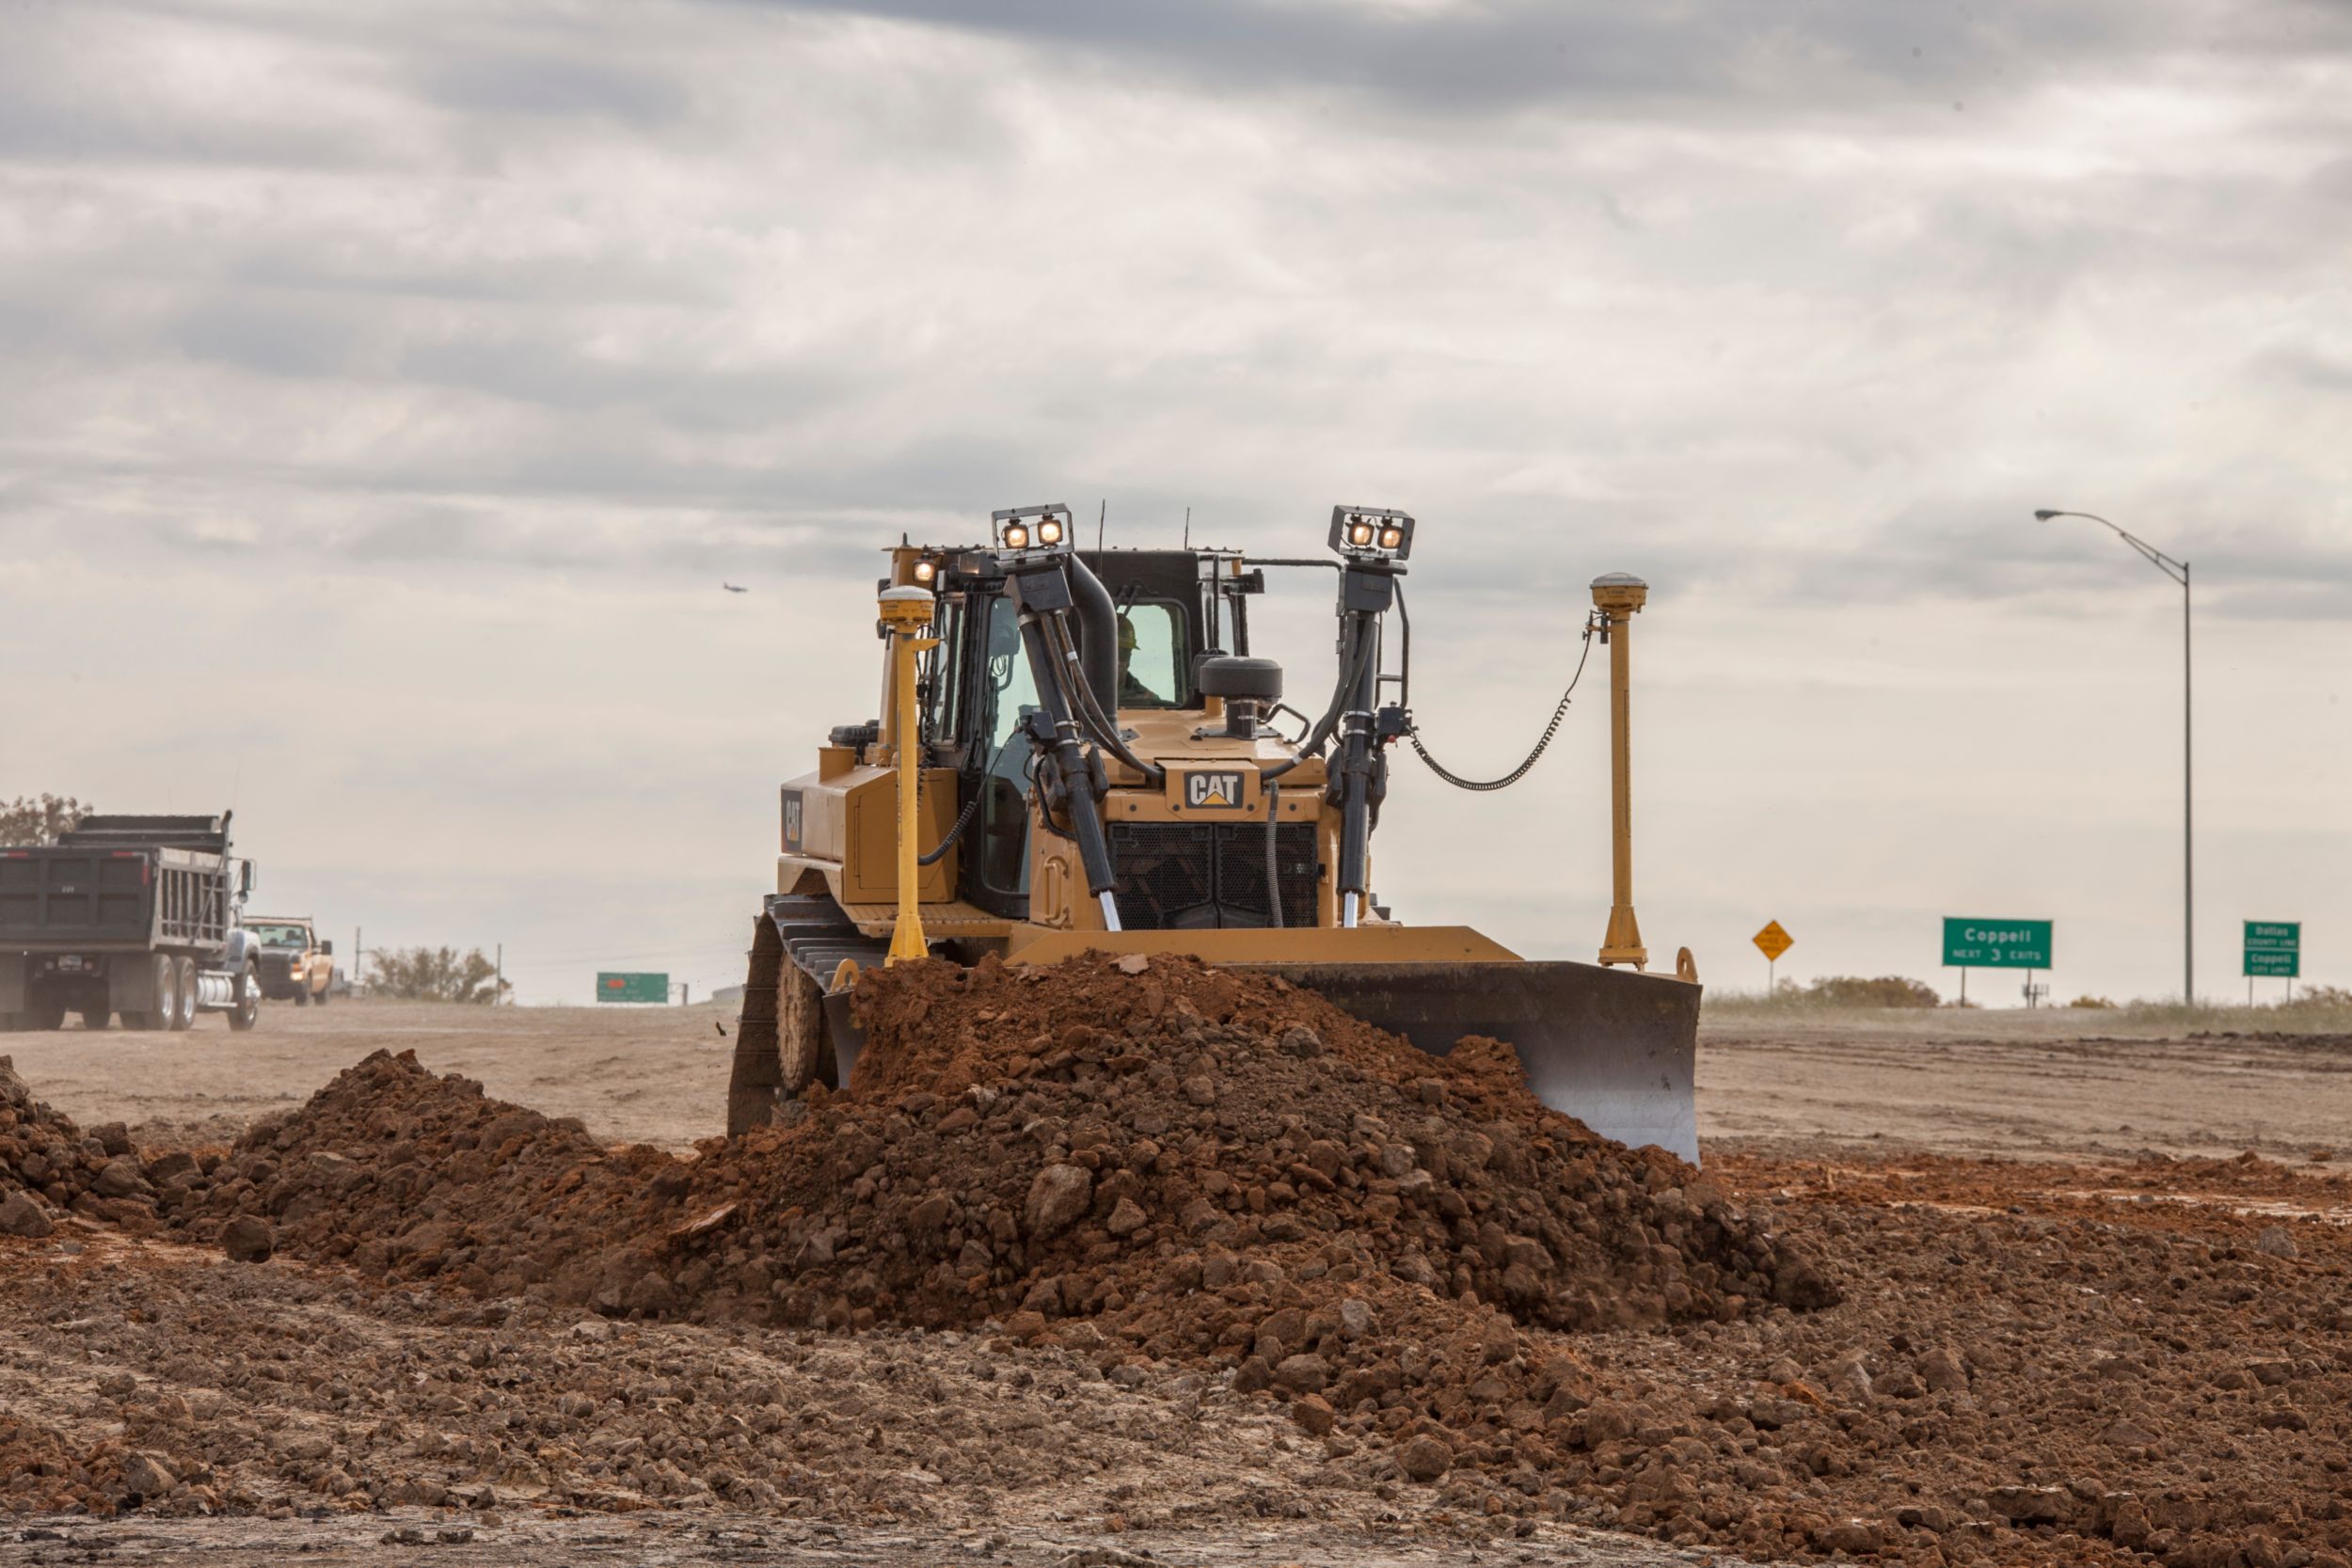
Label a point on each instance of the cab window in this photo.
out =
(1151, 655)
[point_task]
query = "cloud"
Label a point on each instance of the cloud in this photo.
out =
(522, 83)
(466, 350)
(1826, 62)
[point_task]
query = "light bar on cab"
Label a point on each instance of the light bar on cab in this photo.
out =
(1370, 533)
(1032, 528)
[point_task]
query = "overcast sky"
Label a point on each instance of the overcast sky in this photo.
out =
(388, 390)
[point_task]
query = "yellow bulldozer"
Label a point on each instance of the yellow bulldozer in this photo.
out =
(1077, 752)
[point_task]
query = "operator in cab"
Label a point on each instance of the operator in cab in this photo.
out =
(1132, 692)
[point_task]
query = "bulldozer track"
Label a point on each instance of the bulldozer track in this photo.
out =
(780, 1036)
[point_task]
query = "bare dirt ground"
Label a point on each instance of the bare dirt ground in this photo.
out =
(2075, 1330)
(2042, 1084)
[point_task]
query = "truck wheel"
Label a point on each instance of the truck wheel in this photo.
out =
(48, 1015)
(319, 999)
(167, 998)
(302, 994)
(249, 1008)
(96, 1018)
(184, 1017)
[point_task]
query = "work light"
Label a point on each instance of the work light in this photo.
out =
(1370, 533)
(1022, 528)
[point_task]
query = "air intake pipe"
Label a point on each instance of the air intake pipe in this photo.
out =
(1098, 634)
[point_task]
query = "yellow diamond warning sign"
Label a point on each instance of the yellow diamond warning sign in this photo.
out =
(1772, 940)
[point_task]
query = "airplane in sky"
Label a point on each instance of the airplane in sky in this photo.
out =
(732, 589)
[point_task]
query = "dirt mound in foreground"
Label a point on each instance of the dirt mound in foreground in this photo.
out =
(1139, 1162)
(1094, 1139)
(1067, 1142)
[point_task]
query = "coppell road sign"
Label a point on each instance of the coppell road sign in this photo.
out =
(1997, 943)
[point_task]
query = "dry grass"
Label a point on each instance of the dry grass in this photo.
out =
(2327, 1011)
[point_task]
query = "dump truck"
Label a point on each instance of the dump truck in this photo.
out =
(1077, 752)
(129, 916)
(294, 964)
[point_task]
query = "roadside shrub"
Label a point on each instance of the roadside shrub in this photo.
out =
(1852, 990)
(2093, 1002)
(433, 975)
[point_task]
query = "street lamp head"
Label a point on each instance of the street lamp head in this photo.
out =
(2043, 514)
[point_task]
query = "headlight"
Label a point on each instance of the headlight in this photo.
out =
(1016, 537)
(1049, 532)
(1359, 534)
(1391, 537)
(925, 571)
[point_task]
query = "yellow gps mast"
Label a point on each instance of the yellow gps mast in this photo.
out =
(906, 611)
(1618, 596)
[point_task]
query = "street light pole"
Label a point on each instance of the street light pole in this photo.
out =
(2178, 572)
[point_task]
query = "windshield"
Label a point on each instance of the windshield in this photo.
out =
(276, 933)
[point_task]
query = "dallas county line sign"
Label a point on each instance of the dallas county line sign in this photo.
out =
(2274, 947)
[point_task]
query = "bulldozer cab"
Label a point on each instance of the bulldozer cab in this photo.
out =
(978, 688)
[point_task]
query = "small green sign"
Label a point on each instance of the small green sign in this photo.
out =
(1997, 943)
(2275, 948)
(632, 988)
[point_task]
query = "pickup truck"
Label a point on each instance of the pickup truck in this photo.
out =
(295, 966)
(129, 916)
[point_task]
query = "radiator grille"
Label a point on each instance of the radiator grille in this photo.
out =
(1196, 876)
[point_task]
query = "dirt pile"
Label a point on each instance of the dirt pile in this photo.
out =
(49, 1168)
(407, 1176)
(1065, 1142)
(1147, 1163)
(1165, 1161)
(1086, 1139)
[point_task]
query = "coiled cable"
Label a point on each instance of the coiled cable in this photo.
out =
(1559, 712)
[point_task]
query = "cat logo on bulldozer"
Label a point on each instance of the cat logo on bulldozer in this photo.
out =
(1218, 791)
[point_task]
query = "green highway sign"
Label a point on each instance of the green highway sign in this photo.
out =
(632, 988)
(2274, 947)
(1997, 943)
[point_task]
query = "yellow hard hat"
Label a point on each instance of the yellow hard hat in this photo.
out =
(1126, 635)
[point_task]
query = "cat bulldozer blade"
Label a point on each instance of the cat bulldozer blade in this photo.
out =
(1077, 752)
